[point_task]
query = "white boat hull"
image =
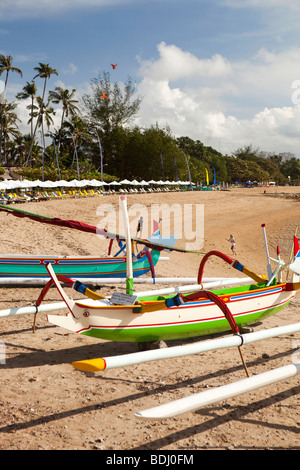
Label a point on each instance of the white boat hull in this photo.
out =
(202, 316)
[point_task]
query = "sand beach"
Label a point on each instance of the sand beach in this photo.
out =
(48, 405)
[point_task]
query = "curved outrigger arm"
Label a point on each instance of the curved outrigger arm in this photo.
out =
(234, 263)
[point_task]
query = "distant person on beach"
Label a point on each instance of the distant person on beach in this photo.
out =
(232, 241)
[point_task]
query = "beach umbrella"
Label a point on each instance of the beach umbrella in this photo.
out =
(135, 183)
(95, 182)
(84, 183)
(27, 184)
(76, 183)
(47, 184)
(3, 186)
(144, 183)
(38, 183)
(115, 183)
(12, 184)
(125, 182)
(6, 184)
(15, 184)
(62, 183)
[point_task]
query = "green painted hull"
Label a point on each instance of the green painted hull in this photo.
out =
(248, 304)
(178, 332)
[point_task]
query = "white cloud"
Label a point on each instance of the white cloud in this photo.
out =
(27, 58)
(180, 64)
(23, 115)
(72, 68)
(223, 104)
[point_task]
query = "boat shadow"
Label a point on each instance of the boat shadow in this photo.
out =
(235, 413)
(32, 357)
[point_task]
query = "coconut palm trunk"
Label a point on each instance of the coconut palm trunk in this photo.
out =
(44, 71)
(29, 91)
(5, 65)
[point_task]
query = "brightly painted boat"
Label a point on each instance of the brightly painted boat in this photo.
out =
(134, 317)
(151, 319)
(22, 269)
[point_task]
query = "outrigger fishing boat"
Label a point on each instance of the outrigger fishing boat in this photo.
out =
(31, 270)
(150, 316)
(147, 316)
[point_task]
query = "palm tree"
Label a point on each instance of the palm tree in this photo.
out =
(68, 106)
(9, 126)
(29, 91)
(17, 149)
(77, 128)
(44, 71)
(43, 113)
(5, 66)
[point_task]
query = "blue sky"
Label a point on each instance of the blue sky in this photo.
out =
(221, 71)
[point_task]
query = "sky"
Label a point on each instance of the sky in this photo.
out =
(225, 72)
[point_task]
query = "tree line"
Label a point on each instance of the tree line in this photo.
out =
(97, 138)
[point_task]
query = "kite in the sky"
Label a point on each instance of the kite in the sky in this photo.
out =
(113, 66)
(104, 96)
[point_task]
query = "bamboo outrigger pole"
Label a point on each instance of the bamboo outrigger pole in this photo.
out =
(129, 274)
(13, 312)
(269, 267)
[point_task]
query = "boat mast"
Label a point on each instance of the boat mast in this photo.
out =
(129, 274)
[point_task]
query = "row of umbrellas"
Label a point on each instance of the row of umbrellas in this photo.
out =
(17, 184)
(146, 183)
